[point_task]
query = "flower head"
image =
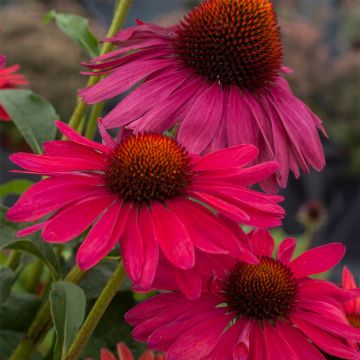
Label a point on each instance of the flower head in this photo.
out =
(124, 353)
(217, 77)
(268, 310)
(147, 193)
(9, 80)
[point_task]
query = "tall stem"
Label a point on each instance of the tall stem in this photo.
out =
(41, 323)
(121, 10)
(96, 313)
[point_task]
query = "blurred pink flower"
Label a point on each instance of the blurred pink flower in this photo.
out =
(148, 193)
(270, 310)
(352, 307)
(217, 76)
(124, 353)
(9, 80)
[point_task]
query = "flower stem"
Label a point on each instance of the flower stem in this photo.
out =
(13, 260)
(121, 10)
(96, 313)
(41, 323)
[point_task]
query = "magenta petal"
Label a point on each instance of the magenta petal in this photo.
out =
(300, 344)
(202, 119)
(74, 136)
(75, 219)
(348, 282)
(328, 324)
(258, 348)
(30, 229)
(199, 340)
(132, 247)
(151, 248)
(100, 241)
(234, 157)
(189, 282)
(317, 260)
(52, 164)
(330, 344)
(173, 238)
(262, 242)
(286, 250)
(106, 138)
(53, 193)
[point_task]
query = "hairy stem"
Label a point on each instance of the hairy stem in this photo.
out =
(121, 10)
(96, 313)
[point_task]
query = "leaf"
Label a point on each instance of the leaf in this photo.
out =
(8, 341)
(76, 28)
(7, 278)
(32, 114)
(18, 311)
(14, 187)
(32, 245)
(68, 304)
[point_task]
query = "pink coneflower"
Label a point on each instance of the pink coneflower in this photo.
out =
(217, 77)
(270, 310)
(9, 80)
(351, 308)
(124, 353)
(147, 192)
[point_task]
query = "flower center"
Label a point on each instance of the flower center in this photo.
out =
(148, 167)
(265, 291)
(354, 319)
(232, 41)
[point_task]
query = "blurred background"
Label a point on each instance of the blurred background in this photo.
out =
(322, 46)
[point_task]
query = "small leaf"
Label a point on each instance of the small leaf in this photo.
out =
(32, 114)
(7, 278)
(32, 245)
(68, 311)
(76, 28)
(14, 187)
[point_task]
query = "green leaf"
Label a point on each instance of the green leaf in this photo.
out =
(32, 245)
(76, 28)
(7, 278)
(32, 114)
(14, 187)
(68, 305)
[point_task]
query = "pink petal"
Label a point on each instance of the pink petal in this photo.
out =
(75, 219)
(199, 340)
(106, 138)
(258, 347)
(151, 248)
(317, 260)
(189, 282)
(172, 237)
(124, 352)
(132, 247)
(53, 193)
(300, 344)
(262, 242)
(234, 157)
(106, 355)
(348, 282)
(330, 344)
(74, 136)
(328, 324)
(100, 240)
(286, 250)
(202, 119)
(30, 229)
(50, 164)
(122, 79)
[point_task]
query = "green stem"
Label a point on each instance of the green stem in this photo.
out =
(94, 115)
(121, 10)
(13, 260)
(96, 313)
(41, 323)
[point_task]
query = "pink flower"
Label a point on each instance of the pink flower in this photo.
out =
(124, 353)
(147, 193)
(270, 310)
(9, 80)
(352, 307)
(217, 77)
